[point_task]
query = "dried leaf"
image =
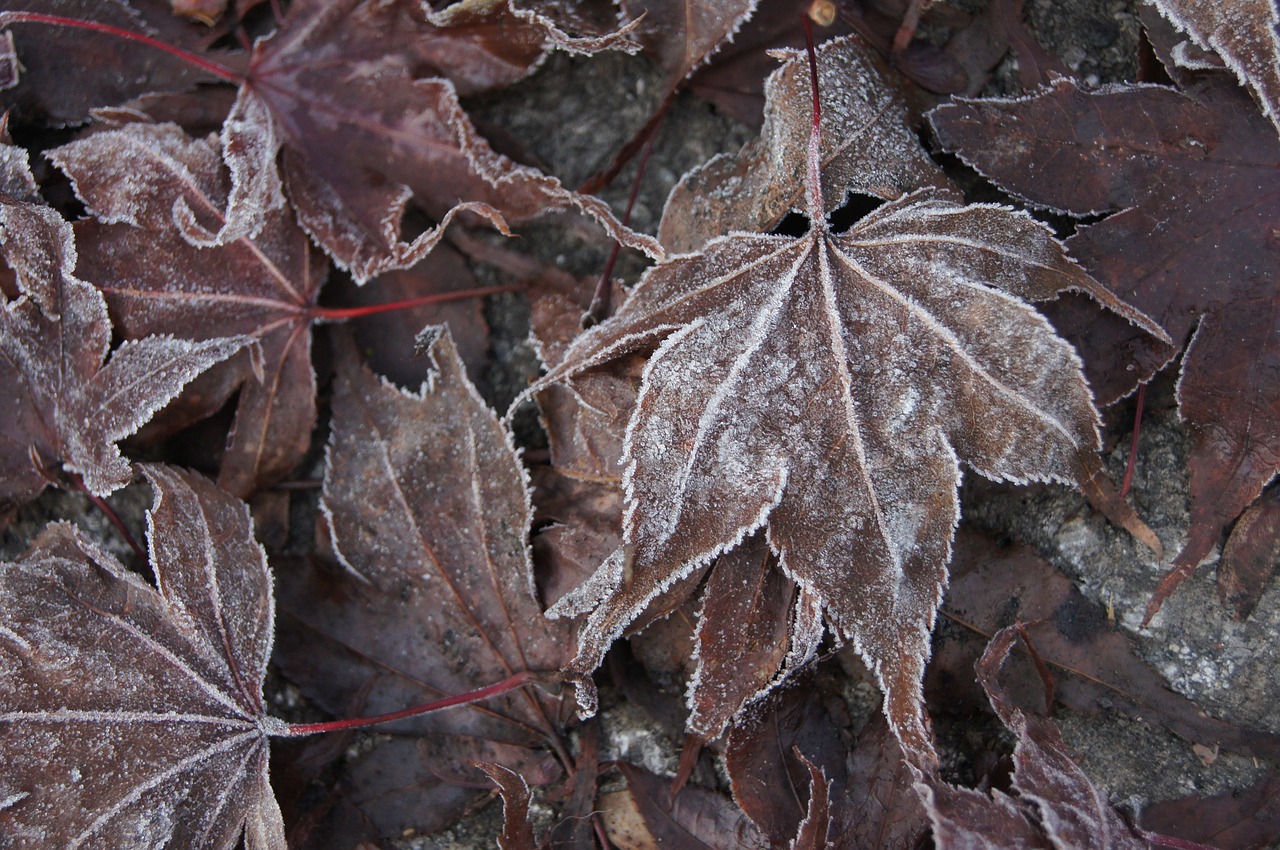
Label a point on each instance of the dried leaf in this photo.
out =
(68, 406)
(117, 71)
(133, 716)
(1094, 662)
(1057, 805)
(142, 181)
(1236, 820)
(682, 35)
(788, 736)
(768, 756)
(1252, 555)
(756, 628)
(697, 819)
(1189, 181)
(427, 507)
(337, 86)
(826, 387)
(517, 831)
(866, 148)
(1244, 34)
(768, 350)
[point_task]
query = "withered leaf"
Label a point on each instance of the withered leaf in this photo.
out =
(67, 406)
(1244, 33)
(1251, 555)
(1190, 181)
(867, 148)
(1235, 820)
(867, 802)
(428, 512)
(142, 182)
(645, 815)
(681, 35)
(756, 628)
(45, 90)
(338, 87)
(1094, 663)
(826, 388)
(1057, 805)
(768, 754)
(132, 716)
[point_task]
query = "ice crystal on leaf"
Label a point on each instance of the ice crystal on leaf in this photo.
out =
(65, 405)
(132, 716)
(826, 388)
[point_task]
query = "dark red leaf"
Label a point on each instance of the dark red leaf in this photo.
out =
(1251, 556)
(1094, 662)
(697, 819)
(50, 89)
(427, 506)
(1190, 182)
(131, 715)
(338, 86)
(69, 403)
(517, 831)
(1057, 805)
(1236, 820)
(142, 182)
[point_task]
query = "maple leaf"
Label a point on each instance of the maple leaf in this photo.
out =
(338, 88)
(132, 716)
(682, 35)
(364, 137)
(68, 406)
(42, 88)
(1189, 180)
(1243, 32)
(141, 181)
(428, 510)
(826, 389)
(866, 148)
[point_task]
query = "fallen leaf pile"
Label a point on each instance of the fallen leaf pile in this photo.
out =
(743, 505)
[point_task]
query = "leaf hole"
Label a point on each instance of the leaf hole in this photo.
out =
(792, 224)
(855, 207)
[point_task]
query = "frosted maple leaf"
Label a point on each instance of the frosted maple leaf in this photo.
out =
(826, 389)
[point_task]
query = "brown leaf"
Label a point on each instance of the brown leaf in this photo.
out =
(131, 716)
(337, 87)
(1189, 180)
(1057, 805)
(1251, 556)
(517, 831)
(866, 149)
(142, 182)
(755, 629)
(682, 35)
(877, 807)
(769, 752)
(67, 406)
(697, 819)
(775, 749)
(115, 71)
(1244, 34)
(826, 387)
(1236, 820)
(1094, 662)
(428, 511)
